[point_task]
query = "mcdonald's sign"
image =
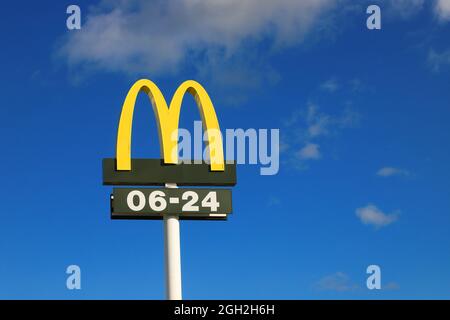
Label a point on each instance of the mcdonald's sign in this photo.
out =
(124, 170)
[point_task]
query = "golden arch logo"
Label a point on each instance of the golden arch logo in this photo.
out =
(168, 119)
(123, 170)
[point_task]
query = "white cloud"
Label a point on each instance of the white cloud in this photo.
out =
(273, 201)
(442, 10)
(164, 36)
(437, 60)
(408, 8)
(321, 123)
(338, 281)
(308, 127)
(405, 8)
(317, 122)
(159, 37)
(370, 214)
(391, 286)
(309, 152)
(391, 171)
(331, 85)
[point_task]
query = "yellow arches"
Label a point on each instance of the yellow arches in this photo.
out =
(167, 118)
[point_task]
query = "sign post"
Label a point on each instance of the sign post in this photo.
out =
(171, 203)
(172, 254)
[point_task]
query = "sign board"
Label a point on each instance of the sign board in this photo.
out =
(132, 203)
(187, 203)
(153, 172)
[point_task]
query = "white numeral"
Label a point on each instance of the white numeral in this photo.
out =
(189, 206)
(156, 201)
(130, 200)
(210, 201)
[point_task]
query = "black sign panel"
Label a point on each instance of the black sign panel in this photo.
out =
(187, 203)
(153, 172)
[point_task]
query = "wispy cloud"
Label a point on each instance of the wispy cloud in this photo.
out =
(331, 85)
(309, 127)
(337, 282)
(317, 123)
(160, 37)
(273, 201)
(391, 286)
(166, 36)
(309, 152)
(391, 171)
(442, 10)
(436, 60)
(405, 8)
(371, 215)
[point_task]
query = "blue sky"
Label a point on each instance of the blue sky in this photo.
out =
(363, 118)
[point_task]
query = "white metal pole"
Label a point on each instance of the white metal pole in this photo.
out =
(172, 254)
